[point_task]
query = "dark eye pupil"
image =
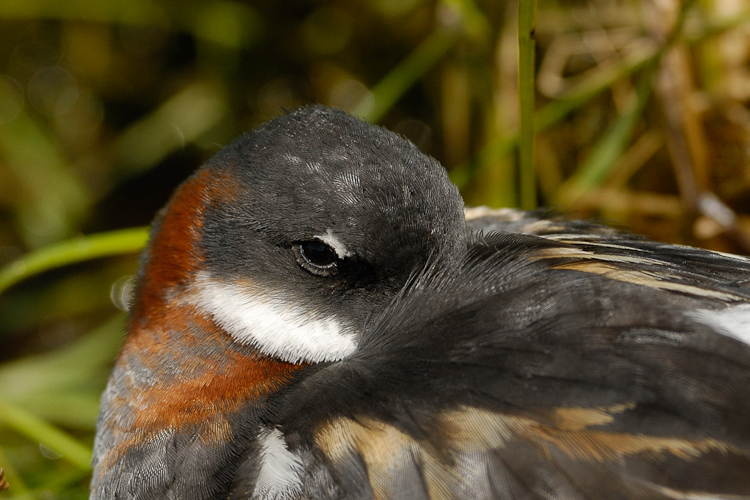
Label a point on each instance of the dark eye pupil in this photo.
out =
(318, 253)
(316, 257)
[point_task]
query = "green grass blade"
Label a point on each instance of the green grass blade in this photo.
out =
(18, 486)
(62, 481)
(390, 89)
(64, 385)
(551, 113)
(53, 198)
(179, 120)
(72, 251)
(36, 429)
(604, 155)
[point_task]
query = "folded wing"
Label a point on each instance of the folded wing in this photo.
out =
(576, 365)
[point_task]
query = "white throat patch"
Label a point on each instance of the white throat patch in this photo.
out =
(274, 325)
(280, 469)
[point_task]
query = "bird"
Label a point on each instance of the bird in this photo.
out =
(317, 315)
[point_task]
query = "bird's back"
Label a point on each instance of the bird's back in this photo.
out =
(546, 368)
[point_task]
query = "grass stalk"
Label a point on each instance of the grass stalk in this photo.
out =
(38, 430)
(526, 88)
(69, 252)
(390, 89)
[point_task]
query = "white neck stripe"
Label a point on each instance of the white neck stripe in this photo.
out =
(272, 323)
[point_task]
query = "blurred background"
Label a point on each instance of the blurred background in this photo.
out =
(105, 106)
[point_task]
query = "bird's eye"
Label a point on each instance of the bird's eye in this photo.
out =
(316, 257)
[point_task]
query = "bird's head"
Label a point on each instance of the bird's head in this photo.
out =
(271, 256)
(290, 238)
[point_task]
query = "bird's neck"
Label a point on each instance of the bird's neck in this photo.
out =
(178, 366)
(180, 380)
(180, 384)
(182, 370)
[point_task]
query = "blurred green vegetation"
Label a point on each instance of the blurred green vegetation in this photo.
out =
(635, 112)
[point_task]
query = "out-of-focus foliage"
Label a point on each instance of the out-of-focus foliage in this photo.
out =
(641, 119)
